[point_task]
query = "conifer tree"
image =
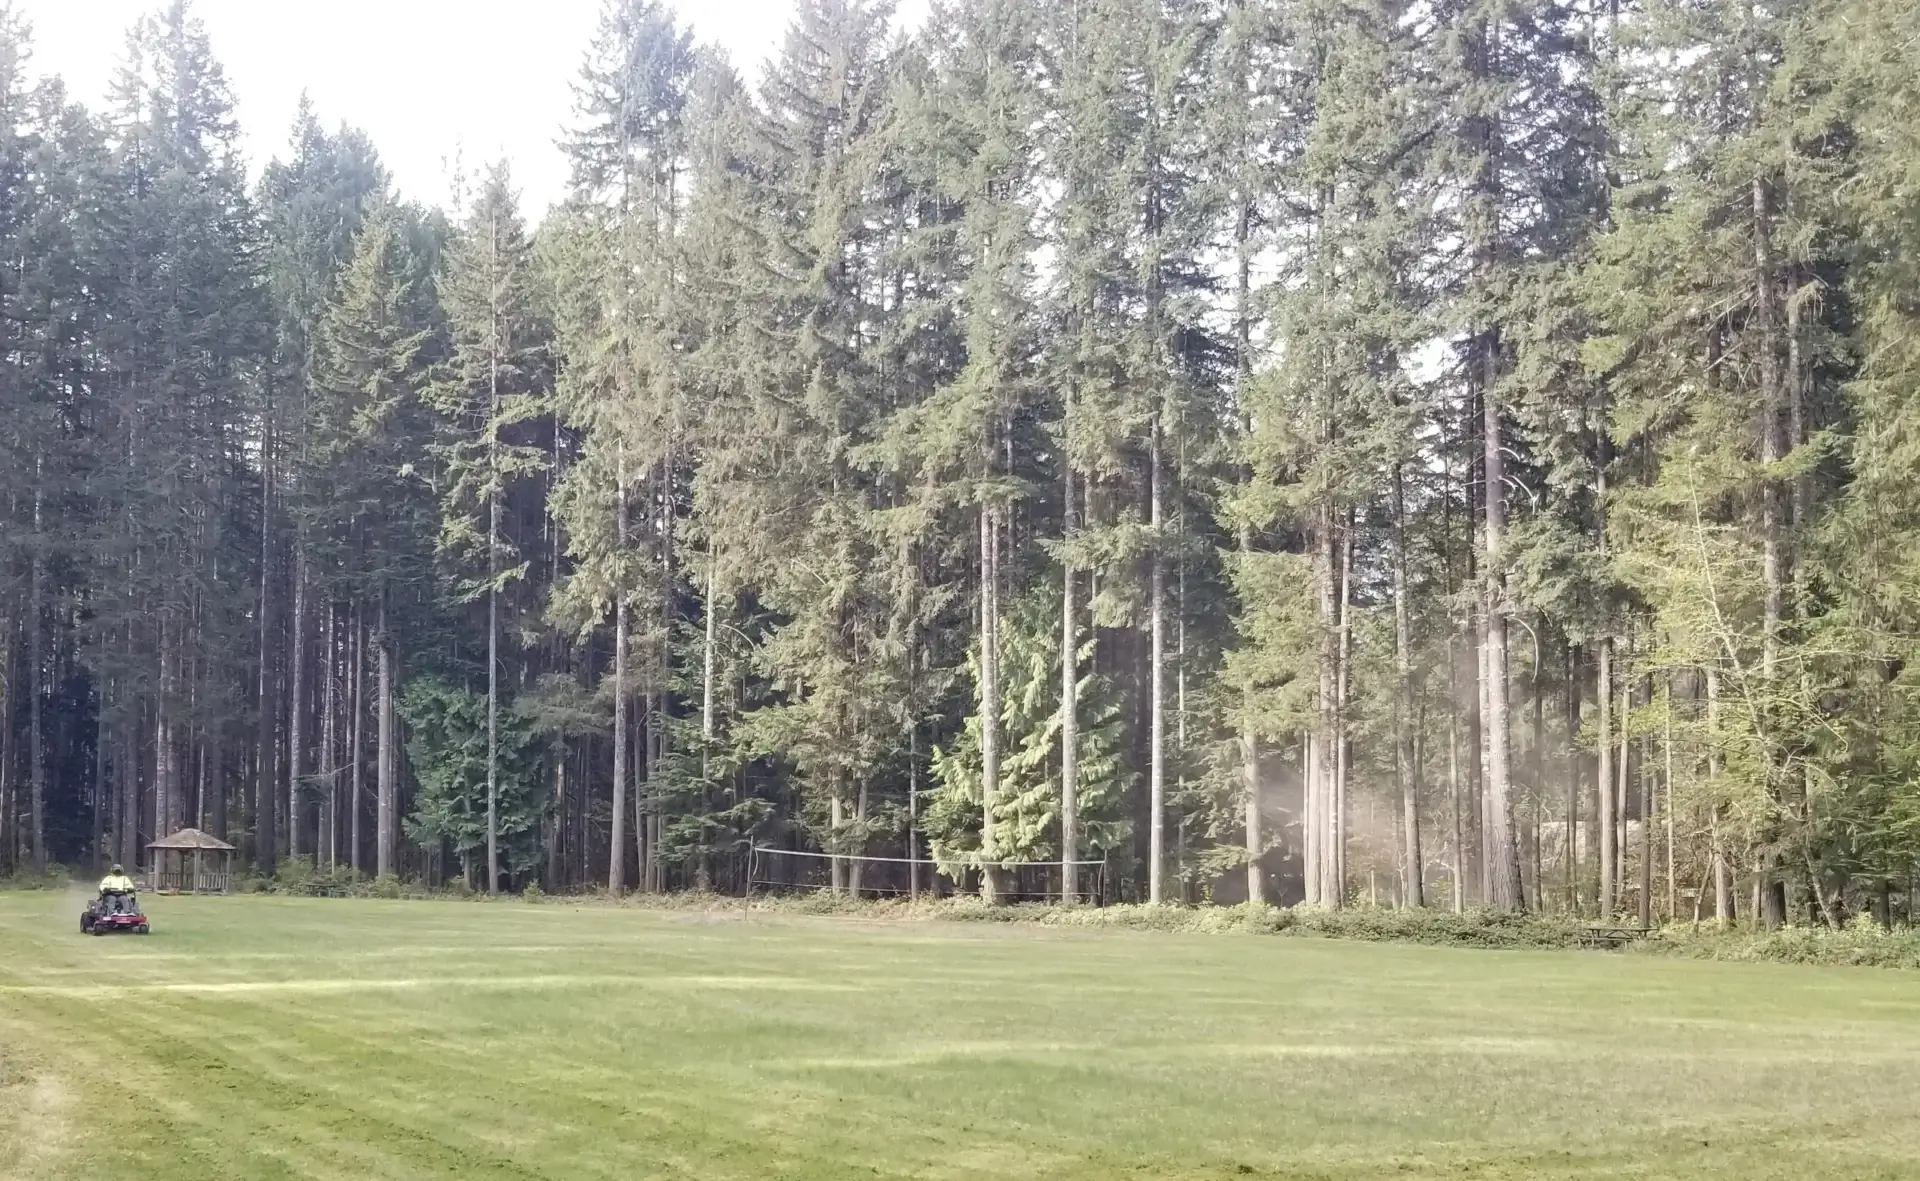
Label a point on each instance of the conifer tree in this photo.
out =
(1517, 167)
(966, 447)
(312, 205)
(51, 160)
(819, 207)
(1704, 284)
(1870, 543)
(1132, 226)
(188, 338)
(367, 427)
(618, 343)
(494, 382)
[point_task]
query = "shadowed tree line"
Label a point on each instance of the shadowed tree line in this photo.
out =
(1460, 453)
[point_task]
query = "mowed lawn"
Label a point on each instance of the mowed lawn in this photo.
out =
(262, 1037)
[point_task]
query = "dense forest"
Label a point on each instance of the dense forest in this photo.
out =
(1447, 453)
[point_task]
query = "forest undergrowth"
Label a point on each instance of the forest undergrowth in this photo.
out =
(1862, 942)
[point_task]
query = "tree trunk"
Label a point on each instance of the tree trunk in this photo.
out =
(325, 836)
(494, 346)
(1574, 768)
(1453, 793)
(656, 843)
(1246, 213)
(1482, 755)
(1646, 833)
(1773, 898)
(101, 804)
(1537, 762)
(1603, 786)
(1156, 674)
(1310, 818)
(913, 810)
(836, 824)
(357, 707)
(1722, 872)
(617, 844)
(1256, 841)
(1474, 741)
(1069, 703)
(11, 849)
(556, 871)
(1413, 887)
(1343, 746)
(164, 778)
(196, 815)
(1622, 771)
(1722, 876)
(989, 700)
(659, 716)
(645, 845)
(127, 824)
(1250, 773)
(212, 792)
(1250, 750)
(704, 861)
(387, 765)
(1673, 897)
(1772, 574)
(216, 806)
(493, 713)
(1502, 856)
(856, 879)
(1772, 564)
(265, 755)
(1326, 886)
(296, 752)
(36, 688)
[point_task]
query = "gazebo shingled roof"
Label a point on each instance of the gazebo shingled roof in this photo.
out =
(172, 871)
(191, 838)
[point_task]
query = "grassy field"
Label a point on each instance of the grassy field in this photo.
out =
(261, 1037)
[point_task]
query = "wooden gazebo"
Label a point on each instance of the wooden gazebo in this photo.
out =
(190, 862)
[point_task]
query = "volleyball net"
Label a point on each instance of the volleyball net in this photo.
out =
(773, 870)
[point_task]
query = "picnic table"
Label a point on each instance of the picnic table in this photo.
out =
(1605, 936)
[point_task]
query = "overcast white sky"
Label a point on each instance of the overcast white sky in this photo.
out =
(425, 78)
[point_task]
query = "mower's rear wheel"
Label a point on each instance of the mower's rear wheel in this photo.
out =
(140, 930)
(86, 925)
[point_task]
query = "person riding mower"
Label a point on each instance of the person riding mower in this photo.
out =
(117, 909)
(116, 891)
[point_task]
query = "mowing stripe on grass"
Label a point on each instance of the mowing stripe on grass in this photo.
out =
(333, 1039)
(402, 983)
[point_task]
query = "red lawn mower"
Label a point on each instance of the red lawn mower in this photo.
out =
(115, 912)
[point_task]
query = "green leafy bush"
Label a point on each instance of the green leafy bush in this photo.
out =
(1863, 943)
(300, 876)
(1027, 808)
(447, 749)
(1442, 928)
(385, 886)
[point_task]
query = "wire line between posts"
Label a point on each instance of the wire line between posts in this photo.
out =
(755, 852)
